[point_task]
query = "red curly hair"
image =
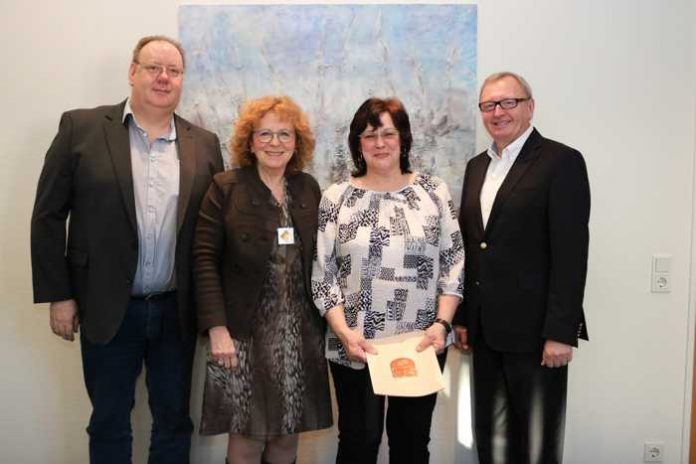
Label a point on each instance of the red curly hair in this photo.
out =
(286, 110)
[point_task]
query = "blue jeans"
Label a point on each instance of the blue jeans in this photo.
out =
(149, 333)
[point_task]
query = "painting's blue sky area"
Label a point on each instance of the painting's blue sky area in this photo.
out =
(330, 58)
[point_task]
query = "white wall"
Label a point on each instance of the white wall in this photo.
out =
(615, 79)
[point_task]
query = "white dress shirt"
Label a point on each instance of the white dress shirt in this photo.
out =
(498, 170)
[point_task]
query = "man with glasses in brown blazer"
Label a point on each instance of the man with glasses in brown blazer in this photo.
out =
(127, 180)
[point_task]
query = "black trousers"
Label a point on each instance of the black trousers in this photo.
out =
(361, 420)
(519, 407)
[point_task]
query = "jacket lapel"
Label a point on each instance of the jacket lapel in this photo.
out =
(297, 206)
(527, 156)
(187, 162)
(118, 145)
(476, 178)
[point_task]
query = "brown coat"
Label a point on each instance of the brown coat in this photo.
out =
(87, 176)
(236, 229)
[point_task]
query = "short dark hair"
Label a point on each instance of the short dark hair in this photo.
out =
(158, 38)
(369, 113)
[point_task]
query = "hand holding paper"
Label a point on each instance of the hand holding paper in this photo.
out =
(433, 336)
(398, 369)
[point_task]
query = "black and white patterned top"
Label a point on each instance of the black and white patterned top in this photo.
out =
(386, 257)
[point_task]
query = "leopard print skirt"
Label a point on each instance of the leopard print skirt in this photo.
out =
(280, 385)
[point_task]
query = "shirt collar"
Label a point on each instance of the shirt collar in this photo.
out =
(513, 149)
(128, 111)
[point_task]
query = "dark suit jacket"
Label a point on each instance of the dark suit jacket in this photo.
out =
(234, 239)
(87, 176)
(525, 273)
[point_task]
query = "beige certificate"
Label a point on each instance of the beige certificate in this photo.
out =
(397, 370)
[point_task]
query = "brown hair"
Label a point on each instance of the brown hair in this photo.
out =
(155, 38)
(286, 110)
(369, 113)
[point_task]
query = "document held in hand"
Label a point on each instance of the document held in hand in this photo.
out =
(398, 370)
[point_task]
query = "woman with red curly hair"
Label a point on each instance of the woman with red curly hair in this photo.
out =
(266, 378)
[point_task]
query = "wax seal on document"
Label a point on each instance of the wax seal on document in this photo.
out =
(403, 367)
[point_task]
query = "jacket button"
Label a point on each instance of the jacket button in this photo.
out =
(245, 237)
(483, 245)
(477, 283)
(255, 202)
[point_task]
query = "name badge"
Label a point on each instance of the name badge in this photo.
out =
(286, 235)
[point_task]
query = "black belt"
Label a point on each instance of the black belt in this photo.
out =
(155, 296)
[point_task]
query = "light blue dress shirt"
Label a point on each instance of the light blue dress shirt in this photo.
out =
(155, 168)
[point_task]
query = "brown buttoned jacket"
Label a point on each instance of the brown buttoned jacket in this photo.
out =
(236, 229)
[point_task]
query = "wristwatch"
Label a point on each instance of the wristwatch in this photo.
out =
(445, 324)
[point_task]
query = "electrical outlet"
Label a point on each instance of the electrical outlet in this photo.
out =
(653, 451)
(661, 273)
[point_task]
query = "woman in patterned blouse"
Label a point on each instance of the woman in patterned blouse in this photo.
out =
(389, 260)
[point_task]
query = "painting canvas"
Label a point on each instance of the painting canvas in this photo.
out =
(329, 59)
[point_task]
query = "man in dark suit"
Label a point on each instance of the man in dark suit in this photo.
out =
(524, 216)
(130, 177)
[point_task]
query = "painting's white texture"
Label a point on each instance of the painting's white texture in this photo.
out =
(329, 59)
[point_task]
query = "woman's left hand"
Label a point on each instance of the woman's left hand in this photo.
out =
(435, 336)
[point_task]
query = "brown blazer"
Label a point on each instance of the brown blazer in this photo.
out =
(87, 176)
(234, 239)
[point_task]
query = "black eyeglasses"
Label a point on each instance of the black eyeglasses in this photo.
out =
(506, 104)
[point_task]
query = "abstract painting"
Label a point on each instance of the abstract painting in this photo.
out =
(329, 59)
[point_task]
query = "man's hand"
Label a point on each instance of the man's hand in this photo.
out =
(435, 336)
(64, 319)
(556, 354)
(222, 350)
(461, 338)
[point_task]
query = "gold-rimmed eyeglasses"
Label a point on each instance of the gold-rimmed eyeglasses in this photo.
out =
(156, 70)
(266, 135)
